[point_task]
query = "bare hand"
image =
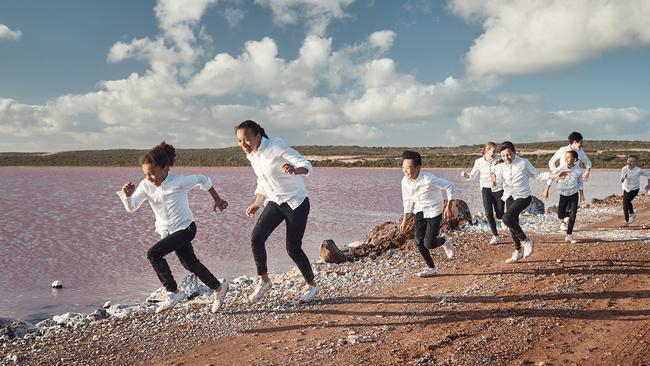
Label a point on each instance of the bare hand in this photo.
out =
(251, 210)
(493, 177)
(464, 174)
(289, 169)
(545, 194)
(402, 227)
(582, 201)
(220, 204)
(447, 213)
(585, 176)
(624, 178)
(128, 189)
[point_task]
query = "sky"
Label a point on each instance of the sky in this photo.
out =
(78, 74)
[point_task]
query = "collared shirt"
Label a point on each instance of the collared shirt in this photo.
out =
(483, 168)
(515, 177)
(559, 155)
(272, 182)
(169, 201)
(424, 193)
(571, 183)
(633, 180)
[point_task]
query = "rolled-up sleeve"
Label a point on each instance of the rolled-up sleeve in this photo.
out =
(292, 156)
(188, 182)
(133, 202)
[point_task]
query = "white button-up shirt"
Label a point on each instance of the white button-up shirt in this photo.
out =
(272, 182)
(169, 201)
(559, 155)
(424, 193)
(633, 180)
(571, 183)
(515, 177)
(483, 168)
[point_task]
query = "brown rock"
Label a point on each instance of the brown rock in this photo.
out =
(536, 206)
(330, 253)
(609, 200)
(460, 215)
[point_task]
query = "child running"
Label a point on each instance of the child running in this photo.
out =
(284, 196)
(492, 203)
(571, 193)
(631, 183)
(514, 173)
(575, 144)
(167, 196)
(422, 195)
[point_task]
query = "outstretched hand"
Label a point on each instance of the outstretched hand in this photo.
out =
(251, 210)
(220, 204)
(128, 189)
(289, 169)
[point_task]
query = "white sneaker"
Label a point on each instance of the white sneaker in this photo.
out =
(516, 256)
(495, 240)
(563, 226)
(260, 290)
(310, 293)
(625, 223)
(219, 296)
(170, 300)
(428, 272)
(632, 218)
(569, 239)
(528, 247)
(448, 246)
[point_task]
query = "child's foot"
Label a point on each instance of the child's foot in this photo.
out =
(310, 293)
(219, 296)
(528, 247)
(632, 218)
(448, 246)
(516, 256)
(569, 239)
(428, 272)
(495, 240)
(261, 288)
(169, 301)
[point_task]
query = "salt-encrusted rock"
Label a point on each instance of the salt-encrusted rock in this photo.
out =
(330, 253)
(609, 200)
(99, 314)
(70, 319)
(536, 206)
(107, 305)
(121, 310)
(15, 329)
(191, 286)
(551, 210)
(57, 284)
(46, 325)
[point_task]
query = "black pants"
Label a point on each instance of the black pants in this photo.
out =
(296, 220)
(426, 235)
(568, 207)
(181, 243)
(514, 207)
(492, 204)
(628, 209)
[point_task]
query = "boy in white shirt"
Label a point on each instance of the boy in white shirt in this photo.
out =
(575, 144)
(422, 195)
(571, 193)
(631, 183)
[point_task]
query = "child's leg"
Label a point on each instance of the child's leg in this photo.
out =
(420, 230)
(191, 263)
(572, 208)
(499, 205)
(165, 246)
(562, 207)
(270, 219)
(511, 219)
(296, 224)
(488, 203)
(632, 197)
(431, 239)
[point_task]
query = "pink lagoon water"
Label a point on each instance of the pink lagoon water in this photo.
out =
(68, 224)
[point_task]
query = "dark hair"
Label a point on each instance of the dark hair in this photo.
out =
(412, 155)
(575, 137)
(633, 156)
(573, 153)
(507, 145)
(160, 155)
(253, 126)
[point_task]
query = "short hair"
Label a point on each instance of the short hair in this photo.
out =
(633, 156)
(412, 155)
(575, 137)
(573, 153)
(161, 155)
(507, 145)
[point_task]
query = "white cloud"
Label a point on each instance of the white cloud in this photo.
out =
(6, 33)
(317, 14)
(234, 16)
(530, 36)
(383, 40)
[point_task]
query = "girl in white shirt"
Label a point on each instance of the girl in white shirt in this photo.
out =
(631, 183)
(571, 193)
(282, 193)
(167, 196)
(514, 172)
(492, 202)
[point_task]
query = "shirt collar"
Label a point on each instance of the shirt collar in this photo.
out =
(263, 143)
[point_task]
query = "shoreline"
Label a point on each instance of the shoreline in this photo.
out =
(337, 281)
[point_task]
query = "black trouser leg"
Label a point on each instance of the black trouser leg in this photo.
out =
(296, 224)
(568, 207)
(511, 218)
(420, 231)
(270, 218)
(431, 238)
(492, 204)
(166, 245)
(191, 263)
(628, 208)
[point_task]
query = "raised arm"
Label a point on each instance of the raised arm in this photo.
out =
(473, 173)
(296, 163)
(132, 197)
(554, 159)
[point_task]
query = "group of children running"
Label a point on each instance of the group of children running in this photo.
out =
(281, 195)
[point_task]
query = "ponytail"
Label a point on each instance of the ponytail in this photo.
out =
(253, 126)
(160, 155)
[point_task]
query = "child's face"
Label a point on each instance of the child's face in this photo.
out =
(489, 153)
(155, 174)
(631, 163)
(409, 169)
(507, 156)
(576, 145)
(247, 140)
(569, 159)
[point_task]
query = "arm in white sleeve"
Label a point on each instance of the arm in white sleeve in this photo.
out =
(554, 159)
(292, 156)
(474, 172)
(533, 172)
(623, 173)
(582, 155)
(443, 184)
(645, 173)
(259, 190)
(188, 182)
(407, 200)
(134, 201)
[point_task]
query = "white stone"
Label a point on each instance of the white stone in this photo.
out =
(57, 284)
